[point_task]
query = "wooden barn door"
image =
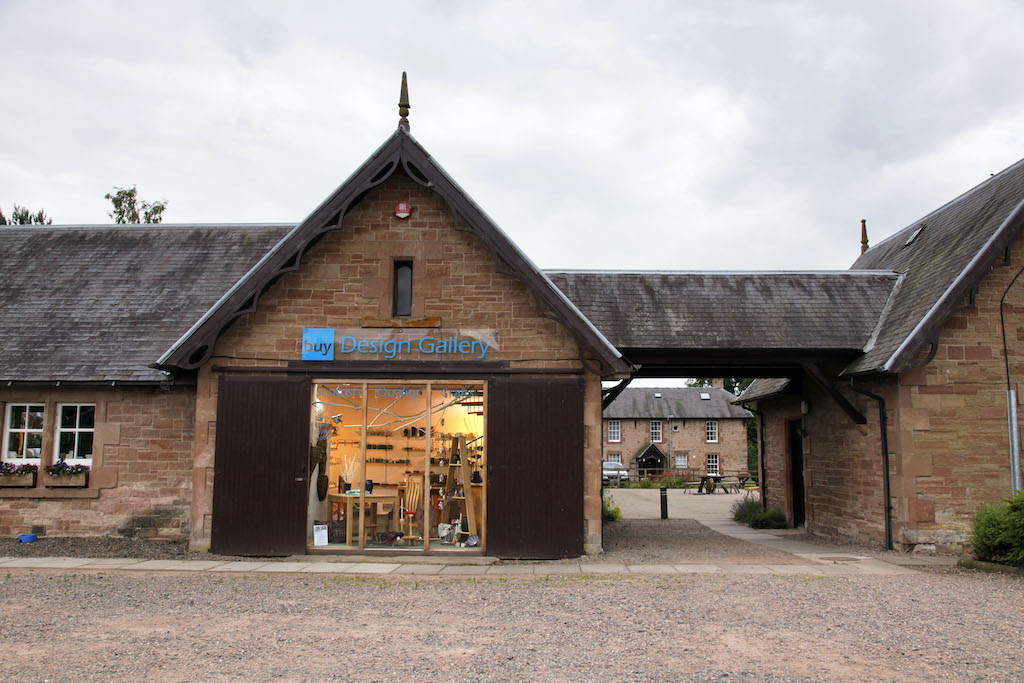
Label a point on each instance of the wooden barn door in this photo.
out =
(260, 479)
(535, 468)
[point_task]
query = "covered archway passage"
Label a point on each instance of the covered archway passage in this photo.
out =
(801, 327)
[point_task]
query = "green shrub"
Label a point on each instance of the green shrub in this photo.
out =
(998, 534)
(744, 510)
(610, 512)
(772, 518)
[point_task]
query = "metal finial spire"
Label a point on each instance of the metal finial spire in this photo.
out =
(403, 105)
(863, 235)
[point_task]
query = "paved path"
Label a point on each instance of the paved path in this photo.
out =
(817, 563)
(713, 511)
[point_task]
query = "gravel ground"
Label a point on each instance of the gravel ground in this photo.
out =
(74, 625)
(680, 541)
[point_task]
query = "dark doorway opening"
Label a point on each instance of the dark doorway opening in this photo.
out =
(796, 471)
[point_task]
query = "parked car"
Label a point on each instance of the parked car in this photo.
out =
(614, 472)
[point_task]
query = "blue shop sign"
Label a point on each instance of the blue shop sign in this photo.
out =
(317, 343)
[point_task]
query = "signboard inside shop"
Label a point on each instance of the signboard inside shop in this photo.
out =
(328, 344)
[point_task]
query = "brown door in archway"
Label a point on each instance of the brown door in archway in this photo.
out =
(796, 471)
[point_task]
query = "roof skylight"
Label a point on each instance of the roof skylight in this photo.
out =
(705, 396)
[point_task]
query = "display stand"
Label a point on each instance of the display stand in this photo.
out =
(458, 499)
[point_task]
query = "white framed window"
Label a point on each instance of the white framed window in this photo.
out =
(711, 430)
(76, 425)
(614, 431)
(656, 431)
(712, 463)
(675, 428)
(681, 459)
(23, 432)
(614, 457)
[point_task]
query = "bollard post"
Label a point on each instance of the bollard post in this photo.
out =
(664, 503)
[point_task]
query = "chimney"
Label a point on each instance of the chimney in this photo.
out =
(718, 383)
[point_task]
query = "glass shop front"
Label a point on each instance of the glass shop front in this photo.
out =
(397, 465)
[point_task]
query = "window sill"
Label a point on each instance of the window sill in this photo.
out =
(64, 492)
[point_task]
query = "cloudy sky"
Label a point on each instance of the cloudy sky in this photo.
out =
(640, 135)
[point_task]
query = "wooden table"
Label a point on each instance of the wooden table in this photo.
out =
(349, 503)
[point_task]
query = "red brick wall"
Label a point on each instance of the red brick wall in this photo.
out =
(345, 281)
(141, 471)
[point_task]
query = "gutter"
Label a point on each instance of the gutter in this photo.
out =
(883, 426)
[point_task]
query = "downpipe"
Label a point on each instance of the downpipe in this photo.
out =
(1012, 425)
(883, 426)
(760, 456)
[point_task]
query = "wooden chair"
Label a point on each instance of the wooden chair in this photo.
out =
(412, 505)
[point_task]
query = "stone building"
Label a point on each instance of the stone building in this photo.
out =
(662, 430)
(394, 373)
(927, 412)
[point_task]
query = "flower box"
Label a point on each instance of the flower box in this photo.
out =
(80, 480)
(27, 480)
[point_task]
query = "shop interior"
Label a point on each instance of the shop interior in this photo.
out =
(397, 465)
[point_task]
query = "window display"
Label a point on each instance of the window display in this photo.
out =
(397, 465)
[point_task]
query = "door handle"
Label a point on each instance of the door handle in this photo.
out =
(300, 478)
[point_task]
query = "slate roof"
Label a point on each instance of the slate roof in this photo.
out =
(834, 310)
(675, 402)
(957, 247)
(100, 303)
(763, 388)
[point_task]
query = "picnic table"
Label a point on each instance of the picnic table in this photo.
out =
(725, 481)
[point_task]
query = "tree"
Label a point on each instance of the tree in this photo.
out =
(734, 385)
(128, 208)
(22, 216)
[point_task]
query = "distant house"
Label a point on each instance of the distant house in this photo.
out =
(653, 431)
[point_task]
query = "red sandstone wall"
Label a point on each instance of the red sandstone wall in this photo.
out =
(948, 438)
(954, 433)
(142, 464)
(345, 281)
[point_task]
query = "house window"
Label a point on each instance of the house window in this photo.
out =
(711, 429)
(75, 432)
(23, 431)
(681, 459)
(655, 431)
(712, 463)
(614, 431)
(614, 457)
(403, 288)
(675, 428)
